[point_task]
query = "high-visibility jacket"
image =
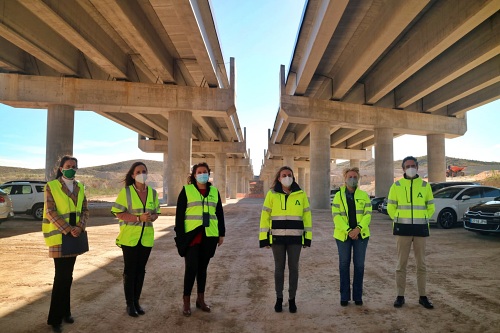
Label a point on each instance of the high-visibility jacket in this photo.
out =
(130, 232)
(285, 219)
(197, 205)
(410, 204)
(65, 206)
(340, 213)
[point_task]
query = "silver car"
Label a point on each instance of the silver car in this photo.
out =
(452, 202)
(6, 208)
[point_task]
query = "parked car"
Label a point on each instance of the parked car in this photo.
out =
(382, 208)
(483, 218)
(439, 185)
(6, 209)
(452, 202)
(26, 196)
(376, 202)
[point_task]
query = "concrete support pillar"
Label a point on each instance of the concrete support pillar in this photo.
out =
(220, 175)
(289, 161)
(180, 127)
(300, 177)
(333, 181)
(60, 130)
(238, 181)
(384, 160)
(265, 183)
(320, 165)
(354, 163)
(232, 183)
(165, 173)
(436, 158)
(308, 182)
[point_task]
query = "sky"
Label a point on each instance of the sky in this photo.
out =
(260, 35)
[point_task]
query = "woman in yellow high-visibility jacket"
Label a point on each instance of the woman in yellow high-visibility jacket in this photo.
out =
(199, 225)
(137, 207)
(285, 227)
(65, 212)
(352, 213)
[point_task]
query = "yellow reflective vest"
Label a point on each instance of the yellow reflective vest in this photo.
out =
(197, 205)
(285, 219)
(65, 206)
(131, 232)
(410, 204)
(340, 213)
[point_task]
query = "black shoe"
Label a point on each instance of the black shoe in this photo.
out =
(278, 307)
(132, 311)
(424, 301)
(56, 328)
(400, 300)
(344, 303)
(358, 302)
(139, 309)
(292, 306)
(69, 319)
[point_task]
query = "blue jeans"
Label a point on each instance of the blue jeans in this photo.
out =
(359, 251)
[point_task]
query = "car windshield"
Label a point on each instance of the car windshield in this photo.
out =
(447, 193)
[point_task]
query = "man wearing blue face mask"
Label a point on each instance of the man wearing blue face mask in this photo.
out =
(410, 204)
(199, 228)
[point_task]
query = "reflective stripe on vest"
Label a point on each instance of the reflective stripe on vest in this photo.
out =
(64, 206)
(130, 232)
(197, 205)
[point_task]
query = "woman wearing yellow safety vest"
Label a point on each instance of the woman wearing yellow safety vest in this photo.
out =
(136, 207)
(352, 213)
(286, 227)
(65, 212)
(199, 220)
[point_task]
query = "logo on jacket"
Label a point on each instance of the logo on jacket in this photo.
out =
(297, 203)
(420, 195)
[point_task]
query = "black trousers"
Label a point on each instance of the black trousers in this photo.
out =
(197, 258)
(60, 306)
(135, 259)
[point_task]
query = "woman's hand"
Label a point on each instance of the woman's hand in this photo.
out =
(76, 231)
(221, 240)
(353, 234)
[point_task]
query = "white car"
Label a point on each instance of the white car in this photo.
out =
(26, 197)
(452, 202)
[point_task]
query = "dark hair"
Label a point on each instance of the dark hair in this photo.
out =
(128, 177)
(277, 176)
(61, 164)
(192, 178)
(408, 158)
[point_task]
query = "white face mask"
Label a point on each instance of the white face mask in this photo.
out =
(286, 181)
(411, 172)
(141, 178)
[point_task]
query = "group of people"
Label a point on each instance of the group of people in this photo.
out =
(285, 228)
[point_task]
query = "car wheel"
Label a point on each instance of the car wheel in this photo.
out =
(446, 218)
(38, 212)
(380, 210)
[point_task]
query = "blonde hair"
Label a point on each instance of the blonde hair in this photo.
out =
(355, 169)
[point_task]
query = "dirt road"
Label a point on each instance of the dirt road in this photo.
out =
(463, 282)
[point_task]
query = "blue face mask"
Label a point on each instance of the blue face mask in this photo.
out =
(202, 178)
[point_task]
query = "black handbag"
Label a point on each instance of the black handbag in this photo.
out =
(74, 245)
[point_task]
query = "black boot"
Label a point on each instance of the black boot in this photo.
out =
(128, 287)
(139, 281)
(278, 307)
(292, 306)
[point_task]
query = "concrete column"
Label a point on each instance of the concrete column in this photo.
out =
(308, 182)
(289, 161)
(320, 165)
(265, 183)
(436, 158)
(165, 173)
(238, 181)
(354, 163)
(60, 130)
(300, 177)
(179, 152)
(220, 175)
(233, 187)
(384, 161)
